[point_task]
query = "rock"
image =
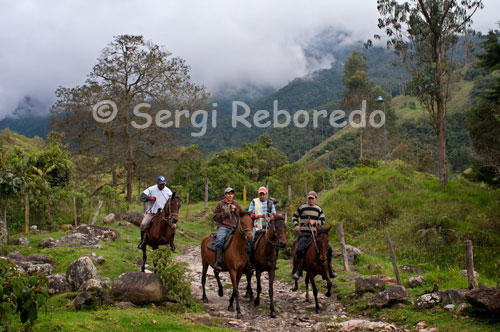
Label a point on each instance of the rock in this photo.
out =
(421, 325)
(4, 234)
(80, 271)
(392, 294)
(134, 217)
(98, 232)
(352, 276)
(22, 241)
(139, 288)
(94, 293)
(464, 274)
(362, 325)
(78, 240)
(100, 260)
(58, 284)
(461, 308)
(109, 218)
(485, 298)
(119, 216)
(449, 307)
(353, 254)
(416, 281)
(124, 305)
(66, 227)
(429, 300)
(369, 284)
(408, 268)
(373, 268)
(453, 296)
(47, 243)
(34, 229)
(430, 329)
(204, 319)
(32, 264)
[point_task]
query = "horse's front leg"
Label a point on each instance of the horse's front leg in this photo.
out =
(328, 287)
(235, 278)
(203, 281)
(259, 287)
(144, 258)
(307, 288)
(249, 292)
(315, 292)
(219, 284)
(271, 292)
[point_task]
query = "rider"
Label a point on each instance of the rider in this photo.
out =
(309, 213)
(156, 196)
(223, 216)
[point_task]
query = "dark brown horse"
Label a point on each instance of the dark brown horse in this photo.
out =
(160, 232)
(315, 262)
(264, 258)
(235, 259)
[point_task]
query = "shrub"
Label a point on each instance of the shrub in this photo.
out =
(20, 294)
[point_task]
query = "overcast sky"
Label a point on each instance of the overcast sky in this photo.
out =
(46, 44)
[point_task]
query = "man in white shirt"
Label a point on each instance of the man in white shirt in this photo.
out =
(156, 196)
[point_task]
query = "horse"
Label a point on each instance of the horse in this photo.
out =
(235, 259)
(315, 262)
(264, 258)
(160, 232)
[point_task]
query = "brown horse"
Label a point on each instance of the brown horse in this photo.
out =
(160, 232)
(235, 259)
(315, 262)
(264, 258)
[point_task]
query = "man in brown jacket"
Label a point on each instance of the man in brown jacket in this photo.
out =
(223, 216)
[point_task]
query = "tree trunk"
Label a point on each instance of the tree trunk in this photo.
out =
(441, 112)
(443, 167)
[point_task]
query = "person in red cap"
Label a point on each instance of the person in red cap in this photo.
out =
(262, 209)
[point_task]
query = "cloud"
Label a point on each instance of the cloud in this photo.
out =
(227, 43)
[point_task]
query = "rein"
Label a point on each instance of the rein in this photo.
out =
(314, 239)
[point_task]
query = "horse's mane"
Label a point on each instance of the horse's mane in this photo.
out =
(244, 213)
(323, 230)
(279, 217)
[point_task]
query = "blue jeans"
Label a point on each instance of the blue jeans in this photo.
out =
(221, 236)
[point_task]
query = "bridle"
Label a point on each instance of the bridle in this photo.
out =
(275, 236)
(168, 214)
(239, 226)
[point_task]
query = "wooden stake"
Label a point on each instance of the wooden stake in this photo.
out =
(393, 258)
(97, 212)
(206, 193)
(244, 194)
(74, 211)
(26, 213)
(470, 265)
(340, 233)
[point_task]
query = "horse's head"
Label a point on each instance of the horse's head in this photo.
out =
(322, 242)
(172, 208)
(246, 225)
(280, 229)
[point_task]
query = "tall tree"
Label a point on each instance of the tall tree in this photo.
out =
(130, 71)
(424, 33)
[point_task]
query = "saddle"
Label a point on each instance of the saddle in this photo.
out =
(258, 235)
(227, 241)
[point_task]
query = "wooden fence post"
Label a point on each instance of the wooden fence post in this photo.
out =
(74, 211)
(340, 233)
(97, 212)
(470, 265)
(26, 213)
(244, 194)
(206, 193)
(187, 204)
(393, 258)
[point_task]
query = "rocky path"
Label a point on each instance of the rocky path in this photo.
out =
(294, 313)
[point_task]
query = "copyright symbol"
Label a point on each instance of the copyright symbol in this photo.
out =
(102, 113)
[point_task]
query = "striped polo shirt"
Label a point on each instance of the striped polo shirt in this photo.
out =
(306, 212)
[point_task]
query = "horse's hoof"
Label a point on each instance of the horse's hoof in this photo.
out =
(273, 314)
(294, 288)
(204, 299)
(239, 315)
(328, 294)
(317, 311)
(256, 302)
(230, 308)
(221, 292)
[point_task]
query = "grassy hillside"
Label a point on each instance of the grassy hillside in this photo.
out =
(428, 223)
(9, 139)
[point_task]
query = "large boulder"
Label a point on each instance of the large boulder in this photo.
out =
(139, 288)
(428, 301)
(22, 241)
(485, 298)
(58, 284)
(79, 240)
(109, 218)
(98, 232)
(32, 264)
(80, 271)
(391, 295)
(369, 285)
(134, 217)
(453, 296)
(353, 254)
(93, 293)
(47, 243)
(416, 281)
(4, 234)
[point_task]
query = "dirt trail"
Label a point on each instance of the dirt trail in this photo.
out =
(294, 314)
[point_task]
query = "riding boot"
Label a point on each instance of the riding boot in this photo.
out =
(218, 259)
(297, 269)
(142, 245)
(172, 246)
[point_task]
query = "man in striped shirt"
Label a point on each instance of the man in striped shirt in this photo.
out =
(309, 214)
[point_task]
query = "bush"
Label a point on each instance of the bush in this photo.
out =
(172, 274)
(20, 294)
